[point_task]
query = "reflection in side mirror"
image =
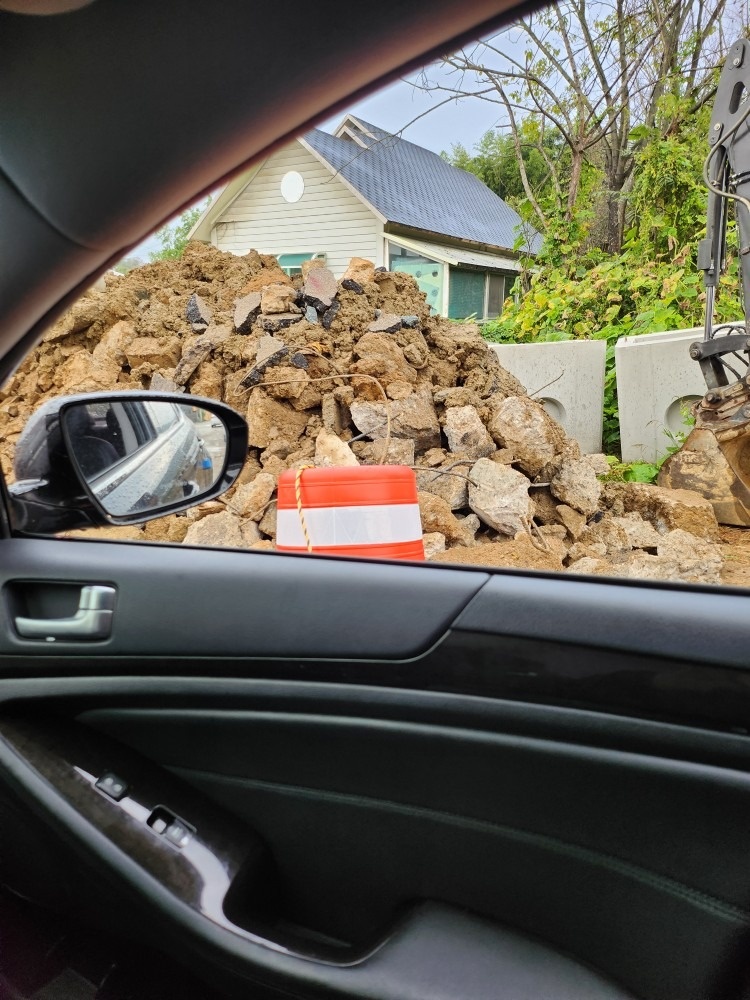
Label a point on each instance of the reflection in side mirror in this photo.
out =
(137, 456)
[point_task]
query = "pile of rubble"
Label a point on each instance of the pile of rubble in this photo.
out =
(500, 483)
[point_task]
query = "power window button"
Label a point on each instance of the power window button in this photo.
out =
(112, 786)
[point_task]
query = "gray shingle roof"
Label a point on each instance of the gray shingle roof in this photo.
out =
(414, 187)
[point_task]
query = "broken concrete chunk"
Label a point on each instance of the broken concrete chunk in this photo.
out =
(385, 323)
(161, 384)
(200, 350)
(665, 509)
(466, 433)
(330, 314)
(279, 298)
(162, 352)
(198, 311)
(437, 516)
(218, 530)
(499, 495)
(251, 499)
(573, 520)
(434, 542)
(279, 321)
(311, 314)
(270, 420)
(524, 426)
(640, 534)
(577, 486)
(400, 452)
(330, 450)
(413, 418)
(300, 360)
(246, 309)
(352, 286)
(360, 270)
(270, 350)
(410, 321)
(454, 489)
(320, 288)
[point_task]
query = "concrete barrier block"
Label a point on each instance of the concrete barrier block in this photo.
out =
(567, 377)
(656, 380)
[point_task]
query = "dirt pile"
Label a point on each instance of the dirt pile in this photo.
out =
(500, 483)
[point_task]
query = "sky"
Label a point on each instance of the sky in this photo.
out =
(393, 108)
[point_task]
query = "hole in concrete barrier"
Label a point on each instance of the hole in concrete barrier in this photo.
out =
(554, 407)
(674, 418)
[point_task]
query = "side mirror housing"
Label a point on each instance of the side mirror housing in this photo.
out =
(122, 458)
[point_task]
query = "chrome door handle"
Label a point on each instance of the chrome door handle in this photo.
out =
(93, 620)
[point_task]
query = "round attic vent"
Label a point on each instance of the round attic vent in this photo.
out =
(292, 186)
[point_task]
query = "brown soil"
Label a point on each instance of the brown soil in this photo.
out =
(735, 548)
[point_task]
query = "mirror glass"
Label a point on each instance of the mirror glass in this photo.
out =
(138, 455)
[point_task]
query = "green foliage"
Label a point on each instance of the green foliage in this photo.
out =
(578, 291)
(174, 238)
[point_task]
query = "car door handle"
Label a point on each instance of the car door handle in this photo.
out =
(92, 620)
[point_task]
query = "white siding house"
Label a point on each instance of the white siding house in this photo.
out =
(327, 219)
(365, 193)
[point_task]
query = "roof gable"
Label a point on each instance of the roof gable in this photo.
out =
(414, 187)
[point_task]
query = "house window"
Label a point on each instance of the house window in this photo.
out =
(466, 294)
(291, 263)
(495, 294)
(427, 273)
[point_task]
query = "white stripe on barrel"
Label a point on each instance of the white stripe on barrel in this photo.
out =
(367, 525)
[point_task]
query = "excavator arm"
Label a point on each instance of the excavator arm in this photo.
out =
(724, 352)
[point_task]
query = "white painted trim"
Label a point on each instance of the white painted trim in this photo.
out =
(340, 177)
(211, 216)
(446, 289)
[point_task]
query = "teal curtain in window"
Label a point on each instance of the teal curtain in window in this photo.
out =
(465, 294)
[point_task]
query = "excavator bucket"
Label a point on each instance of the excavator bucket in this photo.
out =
(715, 458)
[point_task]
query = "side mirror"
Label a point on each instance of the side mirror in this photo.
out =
(122, 458)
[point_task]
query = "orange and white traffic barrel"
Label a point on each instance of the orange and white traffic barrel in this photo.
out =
(368, 511)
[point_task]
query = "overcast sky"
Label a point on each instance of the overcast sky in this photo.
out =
(392, 109)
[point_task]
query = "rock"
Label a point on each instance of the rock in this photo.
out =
(573, 520)
(466, 433)
(434, 542)
(270, 351)
(113, 343)
(311, 265)
(269, 420)
(400, 452)
(589, 566)
(279, 299)
(299, 360)
(414, 418)
(545, 506)
(577, 486)
(162, 352)
(598, 463)
(360, 270)
(500, 496)
(250, 534)
(380, 356)
(246, 309)
(524, 426)
(410, 321)
(330, 315)
(311, 314)
(665, 509)
(640, 534)
(608, 533)
(694, 560)
(219, 530)
(198, 311)
(320, 288)
(434, 457)
(453, 489)
(279, 321)
(352, 286)
(436, 515)
(457, 396)
(471, 525)
(161, 384)
(251, 499)
(330, 450)
(268, 522)
(385, 323)
(200, 350)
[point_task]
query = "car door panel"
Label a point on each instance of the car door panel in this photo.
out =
(406, 806)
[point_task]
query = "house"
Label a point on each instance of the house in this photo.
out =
(363, 192)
